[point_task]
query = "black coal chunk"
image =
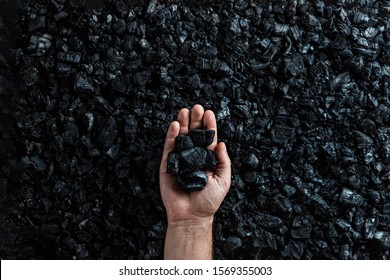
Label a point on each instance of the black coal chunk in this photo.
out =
(211, 160)
(350, 197)
(31, 76)
(202, 138)
(173, 163)
(183, 142)
(108, 132)
(191, 159)
(194, 181)
(83, 83)
(383, 239)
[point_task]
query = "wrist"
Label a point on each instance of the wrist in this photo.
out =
(193, 226)
(189, 239)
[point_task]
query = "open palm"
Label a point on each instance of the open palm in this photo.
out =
(182, 206)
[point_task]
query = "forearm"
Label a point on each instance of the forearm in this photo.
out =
(189, 240)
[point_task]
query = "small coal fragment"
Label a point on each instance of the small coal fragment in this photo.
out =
(232, 243)
(202, 138)
(71, 133)
(173, 163)
(350, 197)
(107, 132)
(82, 251)
(40, 44)
(301, 227)
(282, 205)
(251, 160)
(194, 181)
(69, 57)
(283, 129)
(383, 239)
(31, 76)
(371, 224)
(183, 142)
(36, 22)
(83, 83)
(269, 221)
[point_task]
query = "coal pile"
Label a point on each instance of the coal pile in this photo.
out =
(301, 94)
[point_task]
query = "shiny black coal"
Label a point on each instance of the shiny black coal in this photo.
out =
(191, 159)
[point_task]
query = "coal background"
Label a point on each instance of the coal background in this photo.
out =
(301, 94)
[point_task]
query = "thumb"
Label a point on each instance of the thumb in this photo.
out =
(223, 169)
(169, 145)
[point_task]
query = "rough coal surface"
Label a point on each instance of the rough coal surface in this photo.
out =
(191, 158)
(300, 90)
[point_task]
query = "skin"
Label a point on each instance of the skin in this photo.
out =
(190, 215)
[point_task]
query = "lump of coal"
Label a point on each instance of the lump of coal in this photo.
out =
(232, 243)
(173, 164)
(194, 181)
(301, 227)
(31, 76)
(183, 142)
(191, 158)
(83, 83)
(108, 132)
(211, 160)
(284, 128)
(202, 138)
(194, 158)
(383, 239)
(350, 197)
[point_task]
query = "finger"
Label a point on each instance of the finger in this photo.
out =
(223, 169)
(209, 122)
(169, 146)
(197, 113)
(184, 120)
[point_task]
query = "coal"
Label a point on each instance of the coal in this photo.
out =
(350, 197)
(173, 163)
(193, 181)
(383, 239)
(202, 138)
(300, 91)
(191, 158)
(183, 142)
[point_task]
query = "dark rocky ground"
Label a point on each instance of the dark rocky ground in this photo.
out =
(300, 89)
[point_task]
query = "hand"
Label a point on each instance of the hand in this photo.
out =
(194, 207)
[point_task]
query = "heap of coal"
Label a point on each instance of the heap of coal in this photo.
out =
(301, 93)
(191, 157)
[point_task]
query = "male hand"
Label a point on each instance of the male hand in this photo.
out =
(193, 207)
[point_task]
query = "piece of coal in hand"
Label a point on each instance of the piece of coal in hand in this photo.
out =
(194, 181)
(202, 138)
(211, 160)
(183, 142)
(173, 163)
(193, 159)
(190, 159)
